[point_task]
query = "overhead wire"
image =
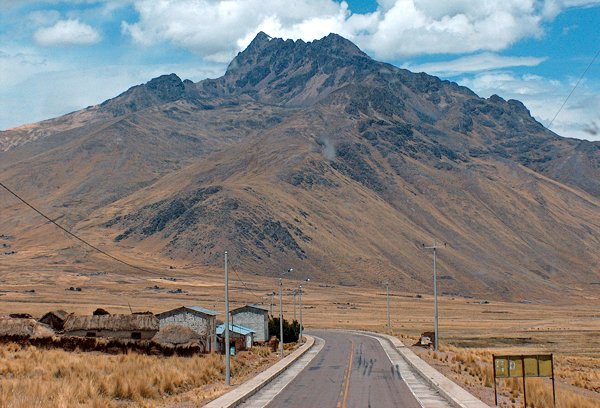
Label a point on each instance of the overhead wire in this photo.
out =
(573, 90)
(73, 235)
(245, 285)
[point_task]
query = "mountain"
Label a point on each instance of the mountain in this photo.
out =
(314, 155)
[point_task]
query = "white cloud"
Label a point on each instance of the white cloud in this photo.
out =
(219, 28)
(552, 8)
(17, 67)
(543, 97)
(214, 28)
(474, 63)
(43, 17)
(67, 32)
(46, 95)
(412, 27)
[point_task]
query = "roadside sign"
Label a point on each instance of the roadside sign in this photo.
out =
(535, 365)
(545, 365)
(531, 366)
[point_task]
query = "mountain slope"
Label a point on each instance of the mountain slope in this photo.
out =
(314, 155)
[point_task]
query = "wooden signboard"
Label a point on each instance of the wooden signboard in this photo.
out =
(536, 365)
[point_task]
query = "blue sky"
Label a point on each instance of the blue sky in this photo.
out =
(58, 56)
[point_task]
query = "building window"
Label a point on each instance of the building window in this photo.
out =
(136, 335)
(90, 334)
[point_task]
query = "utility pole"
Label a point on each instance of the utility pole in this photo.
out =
(300, 314)
(227, 367)
(281, 311)
(387, 287)
(271, 306)
(434, 247)
(280, 318)
(294, 293)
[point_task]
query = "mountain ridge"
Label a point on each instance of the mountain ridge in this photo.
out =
(315, 155)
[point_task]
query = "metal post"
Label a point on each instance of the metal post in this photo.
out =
(524, 389)
(553, 387)
(294, 293)
(300, 314)
(495, 389)
(387, 286)
(435, 300)
(227, 367)
(280, 318)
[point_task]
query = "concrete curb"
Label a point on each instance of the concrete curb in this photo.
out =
(244, 391)
(452, 392)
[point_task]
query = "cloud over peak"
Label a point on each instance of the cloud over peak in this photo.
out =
(395, 29)
(475, 63)
(67, 32)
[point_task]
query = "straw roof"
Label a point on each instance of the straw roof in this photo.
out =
(175, 335)
(61, 314)
(141, 322)
(24, 328)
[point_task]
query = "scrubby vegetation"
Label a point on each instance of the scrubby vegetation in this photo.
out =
(472, 369)
(33, 377)
(291, 331)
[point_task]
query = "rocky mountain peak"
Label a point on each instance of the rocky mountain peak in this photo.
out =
(265, 48)
(294, 73)
(338, 45)
(162, 89)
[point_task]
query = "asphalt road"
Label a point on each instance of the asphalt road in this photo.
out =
(351, 370)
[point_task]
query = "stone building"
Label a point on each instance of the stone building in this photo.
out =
(133, 326)
(254, 317)
(199, 319)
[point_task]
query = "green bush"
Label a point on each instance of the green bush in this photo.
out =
(291, 332)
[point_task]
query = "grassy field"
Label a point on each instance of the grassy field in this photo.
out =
(471, 330)
(577, 378)
(31, 377)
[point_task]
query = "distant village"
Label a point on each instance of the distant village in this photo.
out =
(184, 330)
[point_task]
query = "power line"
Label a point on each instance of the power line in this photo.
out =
(114, 258)
(246, 287)
(573, 90)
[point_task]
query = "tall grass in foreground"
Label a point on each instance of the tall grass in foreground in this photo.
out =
(31, 377)
(473, 368)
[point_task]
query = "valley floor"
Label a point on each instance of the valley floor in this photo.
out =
(471, 330)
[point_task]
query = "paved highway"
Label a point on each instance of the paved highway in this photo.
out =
(351, 370)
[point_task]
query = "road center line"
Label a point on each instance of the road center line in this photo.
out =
(346, 384)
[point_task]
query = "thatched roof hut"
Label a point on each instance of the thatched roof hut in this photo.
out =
(179, 336)
(112, 322)
(55, 319)
(129, 326)
(25, 328)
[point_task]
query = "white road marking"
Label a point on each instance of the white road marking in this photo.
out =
(424, 394)
(269, 392)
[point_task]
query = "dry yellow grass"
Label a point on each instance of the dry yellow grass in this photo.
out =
(571, 331)
(32, 377)
(472, 368)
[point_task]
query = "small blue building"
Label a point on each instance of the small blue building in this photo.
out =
(243, 336)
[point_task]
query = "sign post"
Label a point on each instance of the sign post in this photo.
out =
(535, 365)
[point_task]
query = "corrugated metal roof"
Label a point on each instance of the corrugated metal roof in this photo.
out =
(202, 310)
(234, 328)
(251, 306)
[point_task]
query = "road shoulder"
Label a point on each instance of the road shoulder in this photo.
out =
(452, 392)
(244, 391)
